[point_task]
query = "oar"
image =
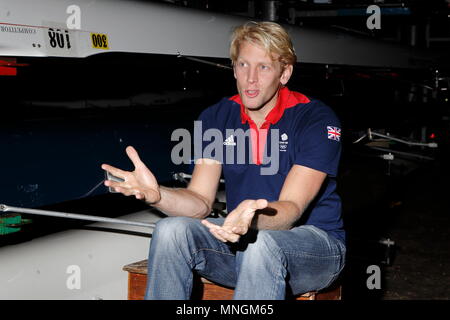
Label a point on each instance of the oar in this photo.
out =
(5, 208)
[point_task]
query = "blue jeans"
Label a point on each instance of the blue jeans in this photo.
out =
(263, 265)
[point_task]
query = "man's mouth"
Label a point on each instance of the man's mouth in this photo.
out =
(251, 93)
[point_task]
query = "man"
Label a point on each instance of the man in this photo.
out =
(284, 232)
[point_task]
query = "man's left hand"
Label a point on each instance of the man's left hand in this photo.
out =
(237, 222)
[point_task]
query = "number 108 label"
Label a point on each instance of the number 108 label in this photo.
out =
(60, 41)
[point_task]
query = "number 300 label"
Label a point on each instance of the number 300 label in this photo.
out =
(99, 41)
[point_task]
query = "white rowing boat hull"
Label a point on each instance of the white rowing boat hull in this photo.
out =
(75, 264)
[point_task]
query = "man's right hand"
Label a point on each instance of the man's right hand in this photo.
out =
(140, 183)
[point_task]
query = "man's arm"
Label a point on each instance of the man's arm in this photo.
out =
(301, 186)
(194, 201)
(197, 199)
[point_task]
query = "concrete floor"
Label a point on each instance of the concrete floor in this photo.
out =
(418, 221)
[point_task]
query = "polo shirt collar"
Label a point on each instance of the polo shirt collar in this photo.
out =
(275, 114)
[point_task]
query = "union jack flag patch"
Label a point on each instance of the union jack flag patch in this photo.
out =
(334, 133)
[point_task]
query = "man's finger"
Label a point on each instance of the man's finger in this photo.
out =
(112, 184)
(223, 233)
(229, 236)
(134, 156)
(125, 191)
(209, 225)
(215, 232)
(240, 230)
(114, 171)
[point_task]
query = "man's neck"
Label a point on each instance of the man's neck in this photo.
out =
(259, 116)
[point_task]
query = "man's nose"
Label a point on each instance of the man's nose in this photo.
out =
(252, 76)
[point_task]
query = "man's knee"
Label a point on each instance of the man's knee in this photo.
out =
(264, 248)
(174, 228)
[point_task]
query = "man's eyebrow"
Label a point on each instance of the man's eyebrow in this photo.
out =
(270, 61)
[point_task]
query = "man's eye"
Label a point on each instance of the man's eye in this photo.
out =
(263, 67)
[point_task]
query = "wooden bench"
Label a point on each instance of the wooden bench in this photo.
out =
(204, 289)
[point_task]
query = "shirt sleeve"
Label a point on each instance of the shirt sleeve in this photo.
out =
(318, 141)
(207, 143)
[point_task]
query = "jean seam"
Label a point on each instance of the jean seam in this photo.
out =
(193, 254)
(302, 254)
(324, 235)
(273, 267)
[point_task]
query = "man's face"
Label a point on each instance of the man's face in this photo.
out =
(258, 76)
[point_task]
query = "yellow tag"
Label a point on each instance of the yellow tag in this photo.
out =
(99, 41)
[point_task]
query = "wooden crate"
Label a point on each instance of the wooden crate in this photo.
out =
(204, 289)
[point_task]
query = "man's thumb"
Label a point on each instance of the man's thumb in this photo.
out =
(261, 204)
(256, 205)
(134, 156)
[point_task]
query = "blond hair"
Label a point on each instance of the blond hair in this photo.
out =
(269, 35)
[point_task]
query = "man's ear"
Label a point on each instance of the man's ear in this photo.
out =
(234, 71)
(286, 74)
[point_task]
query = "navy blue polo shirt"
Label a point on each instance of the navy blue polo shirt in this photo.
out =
(255, 161)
